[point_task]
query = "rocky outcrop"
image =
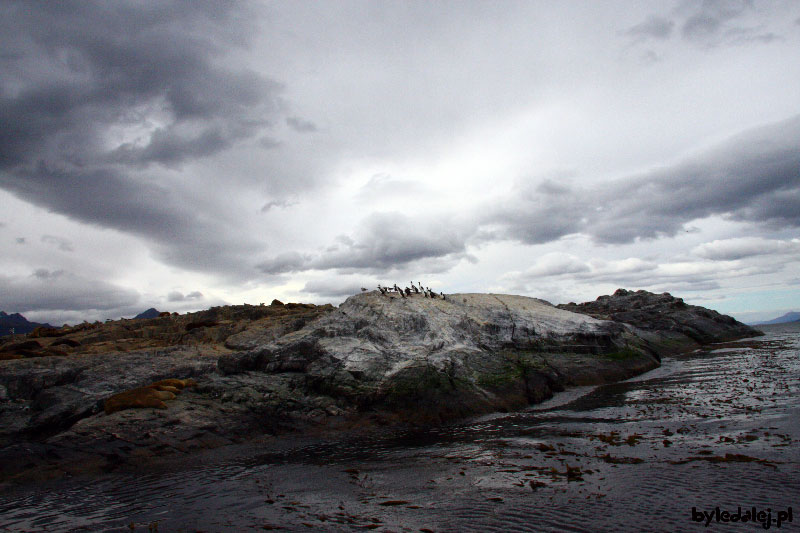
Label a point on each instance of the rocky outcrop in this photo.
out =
(229, 327)
(271, 369)
(667, 322)
(433, 359)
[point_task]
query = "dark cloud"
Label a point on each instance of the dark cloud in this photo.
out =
(63, 244)
(392, 241)
(384, 242)
(653, 27)
(59, 290)
(99, 100)
(754, 177)
(335, 289)
(710, 17)
(284, 263)
(539, 213)
(743, 36)
(300, 125)
(272, 204)
(177, 296)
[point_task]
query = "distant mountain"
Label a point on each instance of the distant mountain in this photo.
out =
(150, 313)
(791, 316)
(18, 323)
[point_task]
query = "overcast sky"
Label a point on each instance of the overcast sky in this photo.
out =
(185, 154)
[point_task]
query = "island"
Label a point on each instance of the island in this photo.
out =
(91, 397)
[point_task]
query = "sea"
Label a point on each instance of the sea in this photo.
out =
(709, 441)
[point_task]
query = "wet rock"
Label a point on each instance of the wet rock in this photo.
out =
(670, 324)
(291, 367)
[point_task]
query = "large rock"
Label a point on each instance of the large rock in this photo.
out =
(668, 323)
(271, 369)
(431, 359)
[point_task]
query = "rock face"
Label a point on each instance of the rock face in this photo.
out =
(667, 322)
(271, 369)
(433, 359)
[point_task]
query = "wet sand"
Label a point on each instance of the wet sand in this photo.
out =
(716, 428)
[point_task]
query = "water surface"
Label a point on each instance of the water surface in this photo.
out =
(715, 428)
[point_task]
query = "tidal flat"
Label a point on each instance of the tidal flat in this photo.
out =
(713, 428)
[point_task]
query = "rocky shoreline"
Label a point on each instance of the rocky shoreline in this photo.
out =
(270, 370)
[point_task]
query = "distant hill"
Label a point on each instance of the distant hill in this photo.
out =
(791, 316)
(150, 313)
(18, 323)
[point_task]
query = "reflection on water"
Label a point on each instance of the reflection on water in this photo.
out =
(712, 428)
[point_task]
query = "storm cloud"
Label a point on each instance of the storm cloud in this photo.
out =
(753, 177)
(102, 102)
(184, 153)
(58, 291)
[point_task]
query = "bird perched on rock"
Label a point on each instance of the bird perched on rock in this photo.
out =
(443, 298)
(363, 289)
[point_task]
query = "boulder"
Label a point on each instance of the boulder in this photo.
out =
(668, 323)
(434, 359)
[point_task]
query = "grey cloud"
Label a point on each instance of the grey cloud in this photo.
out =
(177, 296)
(334, 289)
(97, 99)
(300, 125)
(738, 248)
(538, 213)
(649, 57)
(272, 204)
(654, 27)
(391, 241)
(385, 242)
(556, 264)
(59, 290)
(384, 188)
(707, 22)
(753, 177)
(63, 244)
(740, 36)
(20, 240)
(284, 263)
(43, 273)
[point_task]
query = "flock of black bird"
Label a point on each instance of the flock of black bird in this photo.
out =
(407, 292)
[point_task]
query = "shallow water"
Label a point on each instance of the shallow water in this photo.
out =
(631, 456)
